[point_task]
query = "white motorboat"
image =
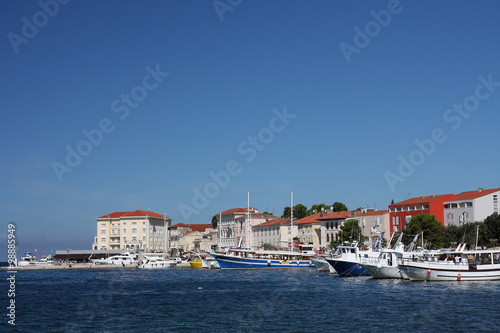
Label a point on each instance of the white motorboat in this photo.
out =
(156, 263)
(454, 265)
(120, 259)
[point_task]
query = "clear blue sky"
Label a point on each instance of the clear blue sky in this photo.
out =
(353, 121)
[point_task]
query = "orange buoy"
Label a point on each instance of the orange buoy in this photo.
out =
(459, 277)
(429, 271)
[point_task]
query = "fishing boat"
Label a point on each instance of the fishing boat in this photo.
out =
(347, 260)
(262, 259)
(454, 265)
(149, 262)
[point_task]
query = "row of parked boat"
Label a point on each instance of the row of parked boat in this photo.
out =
(415, 264)
(127, 259)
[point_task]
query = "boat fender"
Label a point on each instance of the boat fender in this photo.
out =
(269, 263)
(428, 271)
(379, 265)
(459, 277)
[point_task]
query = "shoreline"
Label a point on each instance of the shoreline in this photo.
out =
(72, 266)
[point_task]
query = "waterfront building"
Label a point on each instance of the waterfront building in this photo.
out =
(132, 230)
(244, 234)
(274, 232)
(226, 221)
(309, 231)
(373, 224)
(401, 212)
(179, 231)
(331, 223)
(209, 242)
(471, 206)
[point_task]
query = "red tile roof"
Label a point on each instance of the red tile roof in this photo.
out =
(471, 195)
(136, 213)
(179, 225)
(200, 227)
(310, 219)
(339, 215)
(194, 227)
(375, 212)
(274, 222)
(236, 210)
(422, 200)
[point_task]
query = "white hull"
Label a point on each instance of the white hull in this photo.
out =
(428, 271)
(158, 265)
(383, 272)
(322, 265)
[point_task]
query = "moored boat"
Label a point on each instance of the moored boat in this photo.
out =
(262, 259)
(120, 259)
(347, 260)
(156, 263)
(455, 265)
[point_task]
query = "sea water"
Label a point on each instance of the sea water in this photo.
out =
(190, 300)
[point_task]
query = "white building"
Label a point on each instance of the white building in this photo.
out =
(471, 206)
(274, 232)
(226, 222)
(373, 223)
(244, 225)
(132, 230)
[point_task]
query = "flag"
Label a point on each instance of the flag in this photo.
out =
(35, 249)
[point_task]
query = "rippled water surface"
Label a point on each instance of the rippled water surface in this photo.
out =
(184, 300)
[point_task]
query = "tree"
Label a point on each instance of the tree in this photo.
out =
(431, 227)
(299, 211)
(267, 213)
(339, 207)
(317, 208)
(286, 213)
(492, 222)
(214, 221)
(268, 246)
(350, 231)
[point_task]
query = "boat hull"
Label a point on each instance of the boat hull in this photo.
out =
(235, 262)
(347, 268)
(321, 264)
(383, 272)
(452, 272)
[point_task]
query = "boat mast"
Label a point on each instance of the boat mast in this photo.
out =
(165, 234)
(247, 241)
(291, 222)
(219, 225)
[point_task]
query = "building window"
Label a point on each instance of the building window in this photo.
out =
(134, 230)
(103, 225)
(103, 232)
(103, 240)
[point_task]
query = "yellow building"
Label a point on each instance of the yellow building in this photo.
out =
(132, 230)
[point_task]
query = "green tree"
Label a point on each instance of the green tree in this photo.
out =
(268, 246)
(317, 208)
(214, 221)
(286, 213)
(299, 211)
(339, 207)
(350, 231)
(492, 222)
(431, 227)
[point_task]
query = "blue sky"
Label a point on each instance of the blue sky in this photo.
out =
(350, 119)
